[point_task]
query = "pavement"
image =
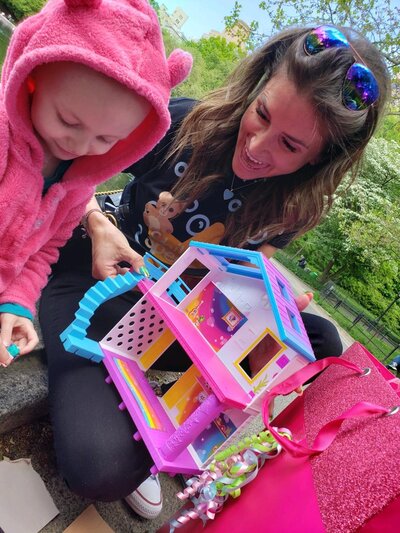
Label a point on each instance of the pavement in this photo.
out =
(25, 431)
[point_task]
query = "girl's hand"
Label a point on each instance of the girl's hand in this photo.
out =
(16, 330)
(110, 247)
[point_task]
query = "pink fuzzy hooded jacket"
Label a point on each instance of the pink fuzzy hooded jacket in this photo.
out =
(119, 38)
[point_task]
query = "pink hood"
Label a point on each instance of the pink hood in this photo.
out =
(120, 38)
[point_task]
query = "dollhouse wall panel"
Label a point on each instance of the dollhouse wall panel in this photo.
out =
(243, 292)
(233, 428)
(281, 365)
(289, 316)
(136, 332)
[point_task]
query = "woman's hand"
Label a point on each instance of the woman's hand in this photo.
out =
(16, 330)
(110, 247)
(303, 300)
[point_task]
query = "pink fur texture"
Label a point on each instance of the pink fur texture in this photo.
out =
(120, 38)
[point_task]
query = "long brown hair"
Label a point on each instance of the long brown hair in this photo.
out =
(294, 202)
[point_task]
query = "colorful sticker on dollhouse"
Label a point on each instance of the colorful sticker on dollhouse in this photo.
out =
(215, 316)
(183, 398)
(213, 436)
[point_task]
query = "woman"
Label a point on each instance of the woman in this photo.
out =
(256, 164)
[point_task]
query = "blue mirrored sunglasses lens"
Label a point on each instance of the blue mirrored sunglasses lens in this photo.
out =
(322, 38)
(360, 88)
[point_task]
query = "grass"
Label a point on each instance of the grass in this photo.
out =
(308, 275)
(376, 346)
(115, 183)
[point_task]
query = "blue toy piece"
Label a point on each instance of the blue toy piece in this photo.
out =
(74, 336)
(13, 350)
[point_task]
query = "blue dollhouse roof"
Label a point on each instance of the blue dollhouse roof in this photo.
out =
(288, 319)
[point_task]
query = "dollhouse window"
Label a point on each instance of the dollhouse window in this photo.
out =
(283, 289)
(294, 321)
(266, 350)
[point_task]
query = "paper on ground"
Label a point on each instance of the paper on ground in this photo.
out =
(25, 504)
(89, 522)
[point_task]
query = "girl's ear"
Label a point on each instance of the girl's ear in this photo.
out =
(30, 84)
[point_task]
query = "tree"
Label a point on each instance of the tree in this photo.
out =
(213, 60)
(155, 5)
(382, 166)
(220, 57)
(379, 20)
(358, 245)
(20, 9)
(389, 128)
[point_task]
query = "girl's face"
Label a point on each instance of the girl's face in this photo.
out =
(77, 111)
(279, 133)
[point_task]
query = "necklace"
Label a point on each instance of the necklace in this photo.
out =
(252, 182)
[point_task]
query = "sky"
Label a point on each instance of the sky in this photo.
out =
(206, 15)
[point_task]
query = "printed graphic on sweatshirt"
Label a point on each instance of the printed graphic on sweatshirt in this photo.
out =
(159, 217)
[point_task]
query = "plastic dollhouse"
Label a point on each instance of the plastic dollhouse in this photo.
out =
(240, 327)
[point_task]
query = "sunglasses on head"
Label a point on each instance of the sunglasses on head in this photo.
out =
(360, 88)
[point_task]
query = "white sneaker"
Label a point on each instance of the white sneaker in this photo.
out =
(146, 500)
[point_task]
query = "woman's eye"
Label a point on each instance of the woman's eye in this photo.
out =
(289, 146)
(261, 113)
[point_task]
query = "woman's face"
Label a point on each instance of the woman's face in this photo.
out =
(279, 133)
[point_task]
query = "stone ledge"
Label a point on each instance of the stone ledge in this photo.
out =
(23, 391)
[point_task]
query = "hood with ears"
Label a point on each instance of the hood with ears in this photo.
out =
(119, 38)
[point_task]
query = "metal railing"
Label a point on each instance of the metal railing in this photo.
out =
(376, 333)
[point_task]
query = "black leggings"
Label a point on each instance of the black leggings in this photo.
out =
(96, 453)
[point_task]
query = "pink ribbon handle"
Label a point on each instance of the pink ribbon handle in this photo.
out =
(328, 432)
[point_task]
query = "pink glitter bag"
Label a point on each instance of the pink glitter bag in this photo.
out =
(341, 478)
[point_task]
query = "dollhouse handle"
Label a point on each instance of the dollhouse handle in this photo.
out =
(74, 336)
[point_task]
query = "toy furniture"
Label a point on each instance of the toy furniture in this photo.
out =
(240, 315)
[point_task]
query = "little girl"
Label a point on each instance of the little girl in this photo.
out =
(84, 94)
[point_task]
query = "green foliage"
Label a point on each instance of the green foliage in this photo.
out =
(379, 20)
(306, 275)
(115, 183)
(382, 166)
(213, 60)
(250, 41)
(377, 347)
(155, 5)
(20, 9)
(192, 86)
(5, 33)
(358, 244)
(389, 129)
(220, 57)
